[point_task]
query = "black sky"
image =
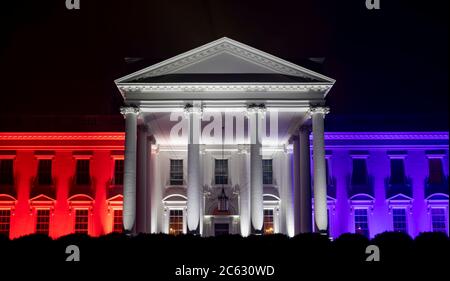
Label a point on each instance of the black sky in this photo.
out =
(390, 65)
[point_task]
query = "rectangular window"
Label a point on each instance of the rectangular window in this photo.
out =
(176, 222)
(268, 221)
(81, 221)
(42, 221)
(267, 171)
(45, 171)
(82, 173)
(436, 172)
(221, 171)
(397, 171)
(118, 171)
(5, 220)
(359, 173)
(6, 171)
(400, 220)
(361, 222)
(176, 171)
(438, 221)
(117, 223)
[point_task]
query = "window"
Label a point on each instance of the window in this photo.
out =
(118, 171)
(81, 221)
(176, 171)
(267, 171)
(176, 222)
(438, 221)
(436, 172)
(82, 175)
(45, 172)
(361, 222)
(6, 171)
(400, 220)
(117, 221)
(397, 171)
(268, 221)
(221, 171)
(359, 173)
(5, 220)
(42, 221)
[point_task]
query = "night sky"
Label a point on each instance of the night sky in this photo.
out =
(391, 65)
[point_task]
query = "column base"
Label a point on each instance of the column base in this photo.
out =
(257, 231)
(128, 233)
(323, 232)
(193, 232)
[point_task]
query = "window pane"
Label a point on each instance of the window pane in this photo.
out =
(397, 171)
(436, 173)
(118, 171)
(117, 223)
(176, 222)
(359, 174)
(45, 171)
(268, 221)
(438, 221)
(267, 171)
(176, 171)
(42, 221)
(81, 221)
(83, 176)
(5, 220)
(361, 222)
(6, 171)
(400, 220)
(221, 171)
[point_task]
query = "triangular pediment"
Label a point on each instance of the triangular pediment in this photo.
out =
(224, 60)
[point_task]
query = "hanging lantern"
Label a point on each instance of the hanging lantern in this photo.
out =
(223, 201)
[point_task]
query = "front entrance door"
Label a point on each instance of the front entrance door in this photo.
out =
(221, 229)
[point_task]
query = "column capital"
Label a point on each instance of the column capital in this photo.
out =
(318, 109)
(189, 108)
(124, 110)
(256, 108)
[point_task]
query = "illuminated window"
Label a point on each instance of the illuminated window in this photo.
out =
(45, 171)
(361, 222)
(176, 222)
(176, 171)
(268, 221)
(397, 171)
(438, 220)
(117, 223)
(81, 221)
(359, 173)
(6, 171)
(118, 171)
(400, 220)
(5, 220)
(436, 172)
(42, 221)
(221, 171)
(82, 173)
(267, 171)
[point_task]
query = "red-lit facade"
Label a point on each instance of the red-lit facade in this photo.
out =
(60, 183)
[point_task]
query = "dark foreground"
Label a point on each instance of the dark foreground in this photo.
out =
(273, 257)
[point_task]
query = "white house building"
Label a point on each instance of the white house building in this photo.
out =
(217, 141)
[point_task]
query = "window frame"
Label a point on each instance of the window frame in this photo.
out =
(270, 172)
(226, 174)
(172, 172)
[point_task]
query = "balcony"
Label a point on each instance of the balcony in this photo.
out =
(394, 188)
(47, 188)
(436, 187)
(9, 189)
(113, 189)
(357, 188)
(84, 186)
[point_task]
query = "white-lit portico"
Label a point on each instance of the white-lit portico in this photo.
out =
(224, 122)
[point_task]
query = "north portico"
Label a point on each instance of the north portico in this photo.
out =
(217, 141)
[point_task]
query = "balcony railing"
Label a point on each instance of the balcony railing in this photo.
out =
(113, 189)
(394, 188)
(356, 188)
(82, 187)
(47, 188)
(9, 189)
(436, 187)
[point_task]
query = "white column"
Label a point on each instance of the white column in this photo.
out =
(129, 187)
(141, 189)
(194, 188)
(320, 183)
(289, 201)
(149, 186)
(256, 184)
(305, 181)
(244, 195)
(296, 170)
